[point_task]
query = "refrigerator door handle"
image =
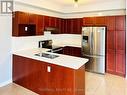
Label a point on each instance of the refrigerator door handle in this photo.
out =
(90, 42)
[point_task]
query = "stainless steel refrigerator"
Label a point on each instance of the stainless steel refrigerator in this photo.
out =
(93, 47)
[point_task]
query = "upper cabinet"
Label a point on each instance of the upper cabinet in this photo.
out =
(73, 26)
(28, 24)
(110, 23)
(24, 24)
(120, 23)
(91, 21)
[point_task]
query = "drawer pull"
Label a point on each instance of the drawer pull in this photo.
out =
(49, 69)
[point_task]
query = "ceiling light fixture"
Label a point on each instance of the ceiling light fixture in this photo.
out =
(76, 3)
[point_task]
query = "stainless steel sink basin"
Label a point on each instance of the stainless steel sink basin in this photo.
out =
(51, 56)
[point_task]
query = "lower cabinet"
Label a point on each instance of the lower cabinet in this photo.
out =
(73, 51)
(48, 79)
(120, 63)
(110, 66)
(116, 63)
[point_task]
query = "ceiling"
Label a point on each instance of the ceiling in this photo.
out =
(81, 2)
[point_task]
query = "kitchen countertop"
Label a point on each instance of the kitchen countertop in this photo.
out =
(63, 60)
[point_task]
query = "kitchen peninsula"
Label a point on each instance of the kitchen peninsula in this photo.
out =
(63, 75)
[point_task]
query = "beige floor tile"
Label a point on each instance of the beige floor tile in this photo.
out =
(105, 84)
(13, 89)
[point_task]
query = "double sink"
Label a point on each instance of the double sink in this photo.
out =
(51, 56)
(46, 55)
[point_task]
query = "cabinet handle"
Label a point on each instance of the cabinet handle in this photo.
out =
(48, 68)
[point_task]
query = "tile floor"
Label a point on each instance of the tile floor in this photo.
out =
(95, 85)
(14, 89)
(105, 84)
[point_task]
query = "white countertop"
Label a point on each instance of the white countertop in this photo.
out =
(63, 60)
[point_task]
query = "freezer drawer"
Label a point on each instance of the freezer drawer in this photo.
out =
(96, 64)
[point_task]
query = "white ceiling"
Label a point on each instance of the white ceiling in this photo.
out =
(67, 6)
(80, 2)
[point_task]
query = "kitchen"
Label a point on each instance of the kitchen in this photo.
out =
(31, 16)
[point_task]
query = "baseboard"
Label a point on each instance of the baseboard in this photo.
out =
(5, 83)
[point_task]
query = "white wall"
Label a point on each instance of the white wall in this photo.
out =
(5, 49)
(126, 41)
(20, 43)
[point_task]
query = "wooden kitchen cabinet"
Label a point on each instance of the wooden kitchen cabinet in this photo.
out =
(120, 41)
(120, 23)
(25, 18)
(46, 21)
(111, 38)
(21, 22)
(111, 61)
(57, 80)
(22, 18)
(116, 41)
(73, 26)
(110, 23)
(40, 25)
(89, 21)
(73, 51)
(59, 25)
(120, 63)
(100, 21)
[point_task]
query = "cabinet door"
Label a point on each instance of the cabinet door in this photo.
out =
(110, 23)
(32, 18)
(69, 26)
(111, 40)
(23, 18)
(67, 50)
(120, 64)
(58, 25)
(120, 23)
(120, 53)
(40, 25)
(88, 21)
(99, 20)
(120, 40)
(65, 26)
(75, 26)
(75, 51)
(52, 22)
(46, 21)
(30, 74)
(79, 26)
(54, 79)
(62, 26)
(110, 61)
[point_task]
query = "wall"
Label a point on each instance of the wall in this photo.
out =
(126, 41)
(20, 43)
(5, 49)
